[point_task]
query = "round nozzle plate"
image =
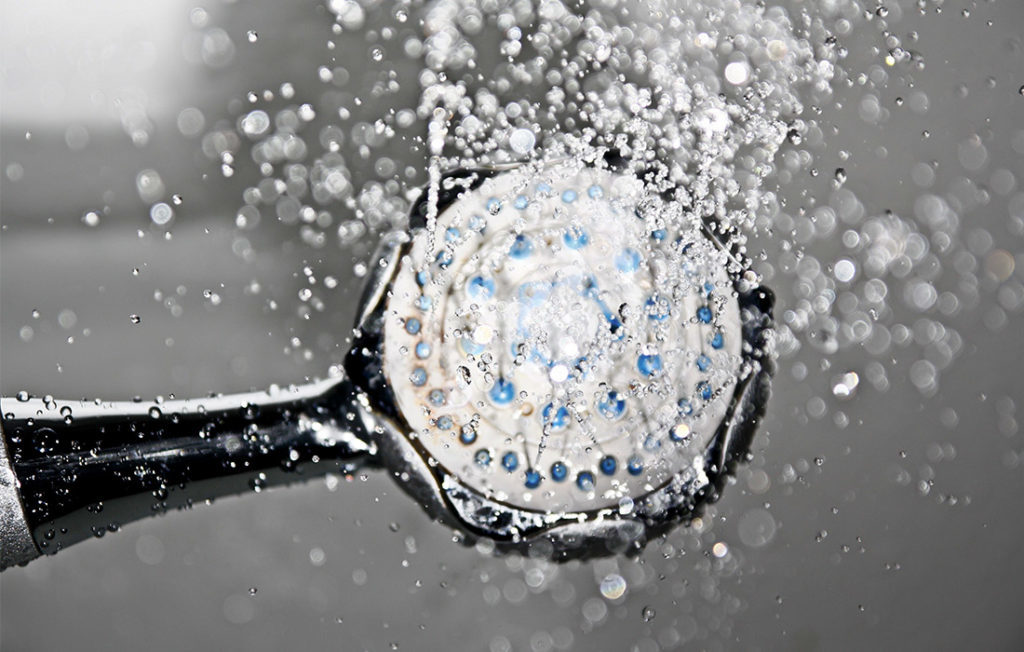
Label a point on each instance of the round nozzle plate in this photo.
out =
(562, 340)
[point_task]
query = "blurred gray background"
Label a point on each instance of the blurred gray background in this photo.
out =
(900, 530)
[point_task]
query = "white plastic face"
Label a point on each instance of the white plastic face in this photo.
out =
(554, 345)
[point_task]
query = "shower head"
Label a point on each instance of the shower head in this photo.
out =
(553, 356)
(562, 356)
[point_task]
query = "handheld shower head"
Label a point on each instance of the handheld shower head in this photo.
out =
(554, 356)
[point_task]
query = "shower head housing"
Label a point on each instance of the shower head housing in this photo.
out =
(556, 356)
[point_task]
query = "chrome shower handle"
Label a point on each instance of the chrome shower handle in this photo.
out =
(74, 469)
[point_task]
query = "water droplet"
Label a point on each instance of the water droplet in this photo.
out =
(255, 123)
(259, 483)
(161, 214)
(613, 586)
(647, 614)
(757, 528)
(522, 141)
(737, 73)
(149, 185)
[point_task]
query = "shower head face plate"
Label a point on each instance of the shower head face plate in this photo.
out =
(555, 346)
